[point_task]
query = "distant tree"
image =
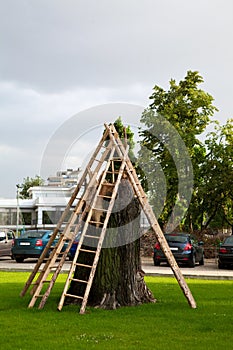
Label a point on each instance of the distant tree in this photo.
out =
(188, 109)
(27, 183)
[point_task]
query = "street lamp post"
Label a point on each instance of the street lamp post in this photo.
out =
(17, 211)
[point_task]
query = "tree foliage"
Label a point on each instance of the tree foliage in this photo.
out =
(217, 176)
(188, 109)
(27, 183)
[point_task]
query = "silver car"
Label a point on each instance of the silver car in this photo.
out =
(6, 239)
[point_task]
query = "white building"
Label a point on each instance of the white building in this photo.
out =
(45, 205)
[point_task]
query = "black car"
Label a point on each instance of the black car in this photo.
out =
(185, 248)
(225, 253)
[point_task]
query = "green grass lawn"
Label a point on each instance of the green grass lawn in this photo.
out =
(168, 324)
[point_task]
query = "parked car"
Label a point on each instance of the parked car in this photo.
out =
(225, 253)
(73, 248)
(185, 248)
(6, 239)
(31, 244)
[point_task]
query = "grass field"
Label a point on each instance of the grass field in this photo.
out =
(168, 324)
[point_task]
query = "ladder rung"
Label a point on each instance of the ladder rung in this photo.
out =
(73, 296)
(89, 236)
(100, 195)
(34, 283)
(95, 222)
(77, 280)
(53, 267)
(100, 209)
(84, 265)
(87, 250)
(113, 172)
(108, 184)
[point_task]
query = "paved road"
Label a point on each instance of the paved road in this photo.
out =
(208, 271)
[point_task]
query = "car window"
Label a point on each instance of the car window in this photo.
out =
(32, 234)
(2, 236)
(57, 235)
(229, 240)
(176, 239)
(10, 235)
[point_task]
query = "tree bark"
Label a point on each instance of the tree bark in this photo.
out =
(119, 279)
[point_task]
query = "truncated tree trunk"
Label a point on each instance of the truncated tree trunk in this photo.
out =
(119, 279)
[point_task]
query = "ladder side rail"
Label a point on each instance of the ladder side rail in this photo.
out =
(50, 263)
(155, 226)
(39, 283)
(167, 252)
(73, 265)
(59, 247)
(102, 235)
(93, 202)
(65, 233)
(64, 255)
(66, 211)
(153, 221)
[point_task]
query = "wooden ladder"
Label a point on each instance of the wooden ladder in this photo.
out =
(76, 264)
(86, 206)
(58, 254)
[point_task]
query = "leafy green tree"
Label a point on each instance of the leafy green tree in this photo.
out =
(188, 109)
(27, 183)
(217, 177)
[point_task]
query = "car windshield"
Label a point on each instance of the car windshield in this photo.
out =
(176, 239)
(32, 234)
(229, 240)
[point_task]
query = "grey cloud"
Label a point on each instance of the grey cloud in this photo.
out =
(56, 45)
(60, 57)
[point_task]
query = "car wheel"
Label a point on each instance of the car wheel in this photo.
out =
(192, 261)
(156, 262)
(19, 260)
(201, 262)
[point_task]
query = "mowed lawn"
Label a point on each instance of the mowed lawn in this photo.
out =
(168, 324)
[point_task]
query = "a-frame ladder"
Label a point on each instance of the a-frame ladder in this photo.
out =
(115, 146)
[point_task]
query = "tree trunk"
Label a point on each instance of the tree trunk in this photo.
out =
(119, 279)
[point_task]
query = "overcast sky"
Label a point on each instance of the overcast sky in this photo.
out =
(61, 57)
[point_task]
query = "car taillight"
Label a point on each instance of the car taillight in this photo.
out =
(13, 242)
(39, 243)
(157, 246)
(188, 246)
(223, 250)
